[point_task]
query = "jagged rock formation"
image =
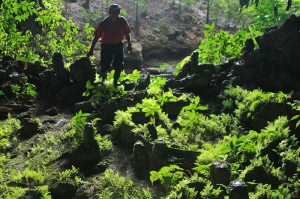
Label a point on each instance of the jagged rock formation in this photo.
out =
(55, 85)
(238, 190)
(87, 154)
(274, 66)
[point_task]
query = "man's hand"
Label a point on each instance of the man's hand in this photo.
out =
(129, 48)
(90, 53)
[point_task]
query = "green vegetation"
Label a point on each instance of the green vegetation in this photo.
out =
(217, 136)
(49, 31)
(27, 91)
(8, 131)
(164, 67)
(168, 175)
(112, 185)
(105, 93)
(219, 47)
(231, 131)
(263, 14)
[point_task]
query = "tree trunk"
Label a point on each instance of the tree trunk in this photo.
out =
(137, 16)
(207, 12)
(86, 4)
(179, 9)
(289, 4)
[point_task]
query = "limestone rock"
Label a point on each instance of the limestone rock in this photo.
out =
(238, 190)
(82, 71)
(220, 173)
(140, 160)
(134, 59)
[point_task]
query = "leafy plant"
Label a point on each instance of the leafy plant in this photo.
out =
(190, 116)
(164, 67)
(259, 13)
(44, 190)
(26, 91)
(131, 77)
(150, 107)
(218, 47)
(69, 176)
(239, 149)
(296, 117)
(168, 96)
(296, 105)
(7, 130)
(111, 185)
(104, 143)
(267, 13)
(210, 192)
(50, 31)
(102, 95)
(37, 177)
(124, 12)
(45, 148)
(13, 192)
(78, 122)
(29, 176)
(180, 65)
(266, 191)
(122, 117)
(142, 129)
(246, 102)
(182, 190)
(167, 175)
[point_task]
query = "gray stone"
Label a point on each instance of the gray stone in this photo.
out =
(140, 160)
(126, 137)
(238, 190)
(29, 128)
(220, 173)
(63, 190)
(82, 71)
(173, 108)
(134, 59)
(87, 154)
(85, 106)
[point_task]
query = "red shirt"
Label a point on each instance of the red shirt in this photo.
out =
(112, 32)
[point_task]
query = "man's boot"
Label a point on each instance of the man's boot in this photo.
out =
(116, 77)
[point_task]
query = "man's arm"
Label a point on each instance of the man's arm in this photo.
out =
(129, 48)
(91, 52)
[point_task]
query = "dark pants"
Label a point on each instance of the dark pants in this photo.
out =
(111, 53)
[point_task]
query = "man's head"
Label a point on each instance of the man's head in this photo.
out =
(114, 10)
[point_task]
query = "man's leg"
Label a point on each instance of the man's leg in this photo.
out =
(118, 62)
(106, 58)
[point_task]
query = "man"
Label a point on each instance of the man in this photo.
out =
(112, 31)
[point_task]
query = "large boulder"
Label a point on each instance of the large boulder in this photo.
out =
(140, 160)
(259, 174)
(87, 154)
(82, 71)
(134, 59)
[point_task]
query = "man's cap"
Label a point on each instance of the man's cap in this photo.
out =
(114, 7)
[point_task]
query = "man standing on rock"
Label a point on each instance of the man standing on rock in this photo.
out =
(112, 31)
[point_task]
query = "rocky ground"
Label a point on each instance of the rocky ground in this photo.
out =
(274, 67)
